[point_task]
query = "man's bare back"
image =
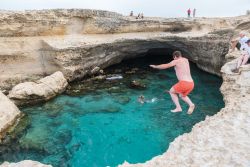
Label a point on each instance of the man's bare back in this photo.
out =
(182, 69)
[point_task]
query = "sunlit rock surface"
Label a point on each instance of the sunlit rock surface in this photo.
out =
(221, 140)
(25, 163)
(76, 41)
(9, 114)
(41, 90)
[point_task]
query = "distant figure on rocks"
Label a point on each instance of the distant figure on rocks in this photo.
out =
(242, 60)
(131, 13)
(142, 16)
(185, 84)
(194, 12)
(189, 12)
(138, 16)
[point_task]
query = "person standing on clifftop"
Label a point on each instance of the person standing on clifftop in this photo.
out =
(189, 12)
(185, 84)
(194, 12)
(131, 13)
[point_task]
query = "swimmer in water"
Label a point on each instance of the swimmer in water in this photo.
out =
(141, 99)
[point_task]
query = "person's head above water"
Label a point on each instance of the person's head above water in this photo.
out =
(141, 97)
(177, 54)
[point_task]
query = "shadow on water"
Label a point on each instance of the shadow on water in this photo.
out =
(100, 122)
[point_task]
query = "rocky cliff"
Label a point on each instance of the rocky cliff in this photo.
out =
(35, 44)
(76, 41)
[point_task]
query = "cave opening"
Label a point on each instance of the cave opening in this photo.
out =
(151, 56)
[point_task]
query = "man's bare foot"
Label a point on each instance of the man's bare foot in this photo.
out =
(177, 110)
(191, 109)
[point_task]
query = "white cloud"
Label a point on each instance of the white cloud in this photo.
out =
(164, 8)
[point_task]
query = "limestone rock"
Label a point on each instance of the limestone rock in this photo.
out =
(74, 41)
(9, 114)
(95, 70)
(41, 90)
(25, 163)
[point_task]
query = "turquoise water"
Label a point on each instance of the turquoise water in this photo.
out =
(102, 124)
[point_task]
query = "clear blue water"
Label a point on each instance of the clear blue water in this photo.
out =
(104, 125)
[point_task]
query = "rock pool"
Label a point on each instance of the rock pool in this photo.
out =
(99, 123)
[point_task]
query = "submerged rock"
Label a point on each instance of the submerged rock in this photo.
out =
(37, 139)
(123, 100)
(16, 131)
(136, 84)
(41, 90)
(111, 109)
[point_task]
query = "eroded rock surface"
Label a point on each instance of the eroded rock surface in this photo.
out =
(41, 90)
(9, 114)
(25, 163)
(76, 41)
(221, 140)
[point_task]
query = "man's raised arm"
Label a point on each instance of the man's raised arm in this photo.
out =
(164, 66)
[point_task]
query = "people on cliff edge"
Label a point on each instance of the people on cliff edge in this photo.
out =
(194, 12)
(131, 13)
(189, 12)
(243, 59)
(185, 84)
(140, 16)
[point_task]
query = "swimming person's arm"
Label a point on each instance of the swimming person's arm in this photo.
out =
(164, 66)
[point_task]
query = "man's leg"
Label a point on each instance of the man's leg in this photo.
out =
(175, 99)
(245, 59)
(239, 61)
(190, 103)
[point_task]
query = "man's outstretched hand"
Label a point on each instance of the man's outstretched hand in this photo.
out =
(153, 66)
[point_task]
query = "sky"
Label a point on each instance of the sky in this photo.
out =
(157, 8)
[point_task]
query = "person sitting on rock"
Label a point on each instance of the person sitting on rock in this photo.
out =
(240, 41)
(243, 59)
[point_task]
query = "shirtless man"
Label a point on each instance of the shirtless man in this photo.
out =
(185, 84)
